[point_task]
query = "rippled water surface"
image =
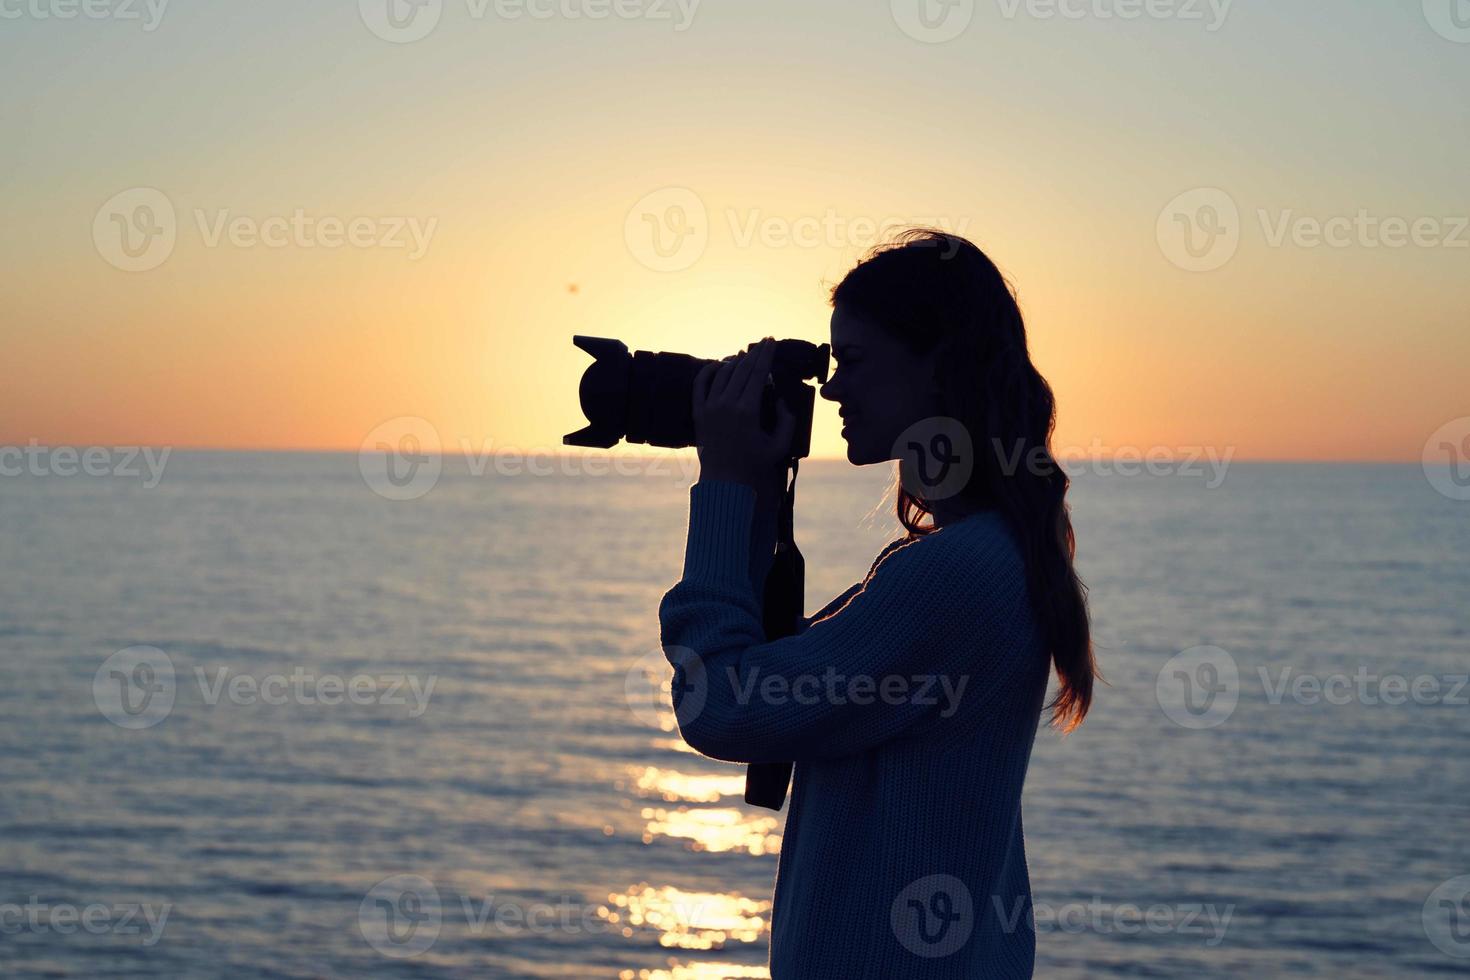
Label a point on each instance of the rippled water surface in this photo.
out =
(528, 811)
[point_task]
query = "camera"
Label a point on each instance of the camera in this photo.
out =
(648, 397)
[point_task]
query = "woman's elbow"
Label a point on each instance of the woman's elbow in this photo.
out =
(726, 744)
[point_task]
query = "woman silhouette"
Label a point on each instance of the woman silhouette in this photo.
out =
(910, 703)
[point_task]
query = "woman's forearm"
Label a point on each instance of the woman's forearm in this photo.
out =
(768, 497)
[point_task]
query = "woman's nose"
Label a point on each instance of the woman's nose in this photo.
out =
(829, 390)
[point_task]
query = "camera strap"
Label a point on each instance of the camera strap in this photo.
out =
(784, 602)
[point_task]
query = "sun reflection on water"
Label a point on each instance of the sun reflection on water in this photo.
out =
(672, 785)
(705, 828)
(713, 829)
(687, 920)
(703, 970)
(694, 920)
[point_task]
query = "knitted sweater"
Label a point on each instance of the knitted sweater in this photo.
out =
(909, 707)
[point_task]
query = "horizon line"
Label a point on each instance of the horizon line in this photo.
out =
(623, 450)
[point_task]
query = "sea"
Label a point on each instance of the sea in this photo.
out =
(297, 715)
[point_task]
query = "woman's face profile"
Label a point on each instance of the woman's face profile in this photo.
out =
(880, 386)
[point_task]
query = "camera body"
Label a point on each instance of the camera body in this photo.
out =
(648, 398)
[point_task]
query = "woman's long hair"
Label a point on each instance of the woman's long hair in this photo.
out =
(934, 290)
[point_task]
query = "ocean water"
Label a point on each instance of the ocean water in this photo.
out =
(502, 794)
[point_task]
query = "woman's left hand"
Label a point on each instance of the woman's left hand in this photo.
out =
(727, 421)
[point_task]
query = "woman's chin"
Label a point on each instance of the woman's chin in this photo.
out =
(859, 455)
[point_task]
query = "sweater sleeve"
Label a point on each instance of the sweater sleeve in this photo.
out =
(935, 629)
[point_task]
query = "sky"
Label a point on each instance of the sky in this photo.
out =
(281, 225)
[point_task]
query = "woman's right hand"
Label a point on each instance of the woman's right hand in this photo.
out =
(727, 407)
